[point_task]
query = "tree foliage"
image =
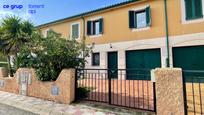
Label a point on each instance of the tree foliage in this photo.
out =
(14, 33)
(49, 55)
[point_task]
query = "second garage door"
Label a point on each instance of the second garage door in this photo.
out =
(142, 59)
(189, 58)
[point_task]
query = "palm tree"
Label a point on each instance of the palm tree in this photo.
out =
(14, 32)
(4, 50)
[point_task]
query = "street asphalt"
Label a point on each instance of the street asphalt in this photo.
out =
(8, 110)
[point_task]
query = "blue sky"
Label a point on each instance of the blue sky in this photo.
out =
(53, 9)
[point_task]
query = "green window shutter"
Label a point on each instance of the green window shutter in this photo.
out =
(194, 9)
(101, 26)
(135, 20)
(148, 16)
(198, 8)
(131, 19)
(89, 28)
(189, 9)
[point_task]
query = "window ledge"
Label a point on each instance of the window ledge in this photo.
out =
(140, 29)
(95, 65)
(77, 38)
(193, 21)
(95, 36)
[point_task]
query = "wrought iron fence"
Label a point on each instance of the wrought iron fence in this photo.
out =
(193, 91)
(121, 87)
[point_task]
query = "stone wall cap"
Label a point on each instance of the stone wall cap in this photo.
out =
(68, 69)
(34, 68)
(8, 78)
(170, 69)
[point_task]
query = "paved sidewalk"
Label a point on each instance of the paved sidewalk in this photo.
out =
(42, 107)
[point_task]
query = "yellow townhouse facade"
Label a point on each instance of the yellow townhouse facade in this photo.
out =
(140, 34)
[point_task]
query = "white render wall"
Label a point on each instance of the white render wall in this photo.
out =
(121, 47)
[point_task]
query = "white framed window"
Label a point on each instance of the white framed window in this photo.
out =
(140, 18)
(192, 11)
(45, 33)
(95, 27)
(95, 59)
(75, 30)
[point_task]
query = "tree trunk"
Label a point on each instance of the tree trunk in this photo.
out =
(16, 64)
(9, 66)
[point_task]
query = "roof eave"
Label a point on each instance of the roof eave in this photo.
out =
(90, 13)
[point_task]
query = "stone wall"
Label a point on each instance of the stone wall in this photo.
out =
(63, 86)
(169, 91)
(9, 84)
(169, 88)
(3, 72)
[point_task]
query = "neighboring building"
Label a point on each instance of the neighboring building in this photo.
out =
(133, 34)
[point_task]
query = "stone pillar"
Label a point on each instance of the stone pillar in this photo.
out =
(169, 91)
(71, 85)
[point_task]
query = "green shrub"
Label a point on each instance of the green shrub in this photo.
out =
(82, 92)
(3, 64)
(50, 55)
(2, 58)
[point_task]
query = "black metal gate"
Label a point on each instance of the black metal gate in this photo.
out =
(193, 81)
(101, 85)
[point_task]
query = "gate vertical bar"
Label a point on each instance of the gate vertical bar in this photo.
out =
(154, 93)
(201, 109)
(194, 108)
(109, 87)
(76, 85)
(184, 94)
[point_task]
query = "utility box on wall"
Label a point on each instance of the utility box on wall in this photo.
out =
(55, 90)
(24, 79)
(1, 83)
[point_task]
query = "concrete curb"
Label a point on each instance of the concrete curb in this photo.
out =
(33, 108)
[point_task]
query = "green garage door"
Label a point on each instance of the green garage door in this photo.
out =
(142, 59)
(191, 60)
